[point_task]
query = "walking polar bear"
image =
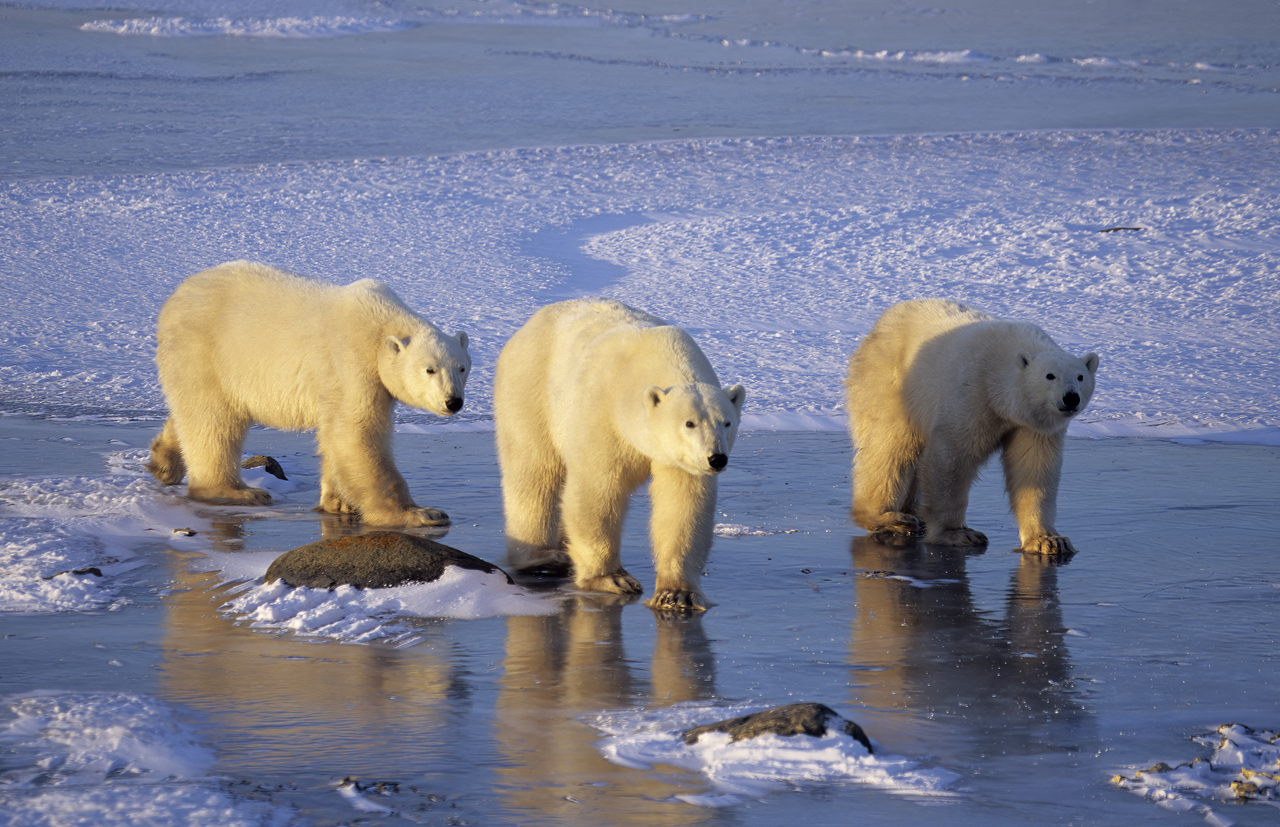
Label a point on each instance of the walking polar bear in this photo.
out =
(592, 398)
(934, 390)
(244, 343)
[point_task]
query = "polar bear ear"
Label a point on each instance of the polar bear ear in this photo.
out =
(654, 396)
(396, 344)
(737, 395)
(462, 339)
(1091, 362)
(1024, 358)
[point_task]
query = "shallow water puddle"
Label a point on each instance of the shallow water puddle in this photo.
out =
(1001, 686)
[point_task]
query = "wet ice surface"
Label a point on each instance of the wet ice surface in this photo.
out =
(1001, 687)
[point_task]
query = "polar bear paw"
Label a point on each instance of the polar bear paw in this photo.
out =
(893, 523)
(230, 496)
(423, 516)
(964, 537)
(677, 600)
(617, 583)
(1049, 544)
(547, 562)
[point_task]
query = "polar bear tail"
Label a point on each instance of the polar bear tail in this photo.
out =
(167, 464)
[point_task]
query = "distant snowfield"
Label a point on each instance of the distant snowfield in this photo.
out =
(777, 254)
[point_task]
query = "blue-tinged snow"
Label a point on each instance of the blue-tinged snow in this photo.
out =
(777, 254)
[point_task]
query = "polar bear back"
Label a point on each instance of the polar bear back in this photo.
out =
(268, 337)
(944, 359)
(578, 354)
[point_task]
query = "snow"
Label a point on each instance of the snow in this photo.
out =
(777, 254)
(108, 759)
(1245, 765)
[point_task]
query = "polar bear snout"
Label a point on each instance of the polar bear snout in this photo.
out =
(718, 462)
(1070, 402)
(454, 404)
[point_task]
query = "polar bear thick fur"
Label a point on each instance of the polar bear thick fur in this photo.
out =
(244, 343)
(934, 390)
(592, 398)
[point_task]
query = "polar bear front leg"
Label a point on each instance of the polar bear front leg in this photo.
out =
(1032, 468)
(594, 508)
(211, 450)
(681, 532)
(362, 477)
(946, 473)
(331, 501)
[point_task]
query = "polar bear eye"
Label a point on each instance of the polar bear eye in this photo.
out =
(462, 370)
(1050, 376)
(728, 424)
(431, 370)
(689, 424)
(1080, 378)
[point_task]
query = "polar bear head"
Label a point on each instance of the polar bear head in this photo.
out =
(1054, 386)
(426, 369)
(692, 427)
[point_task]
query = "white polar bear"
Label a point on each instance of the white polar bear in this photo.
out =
(244, 343)
(592, 398)
(934, 390)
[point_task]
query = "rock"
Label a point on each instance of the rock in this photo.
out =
(792, 719)
(94, 570)
(271, 466)
(377, 560)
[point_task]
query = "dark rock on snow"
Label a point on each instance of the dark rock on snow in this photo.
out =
(376, 560)
(272, 466)
(792, 719)
(94, 570)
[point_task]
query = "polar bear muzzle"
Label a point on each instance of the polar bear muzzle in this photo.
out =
(718, 462)
(454, 404)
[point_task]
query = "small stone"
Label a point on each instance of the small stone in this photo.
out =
(792, 719)
(377, 560)
(271, 466)
(185, 532)
(94, 570)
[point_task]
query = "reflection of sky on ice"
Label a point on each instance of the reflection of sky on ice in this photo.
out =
(480, 160)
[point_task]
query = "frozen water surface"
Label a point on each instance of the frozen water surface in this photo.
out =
(770, 176)
(1001, 686)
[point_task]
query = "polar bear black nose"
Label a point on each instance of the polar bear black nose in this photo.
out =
(454, 404)
(718, 461)
(1071, 400)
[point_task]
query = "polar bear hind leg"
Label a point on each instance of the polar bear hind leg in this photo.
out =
(166, 463)
(884, 478)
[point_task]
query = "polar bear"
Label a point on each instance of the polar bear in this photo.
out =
(934, 390)
(592, 398)
(244, 343)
